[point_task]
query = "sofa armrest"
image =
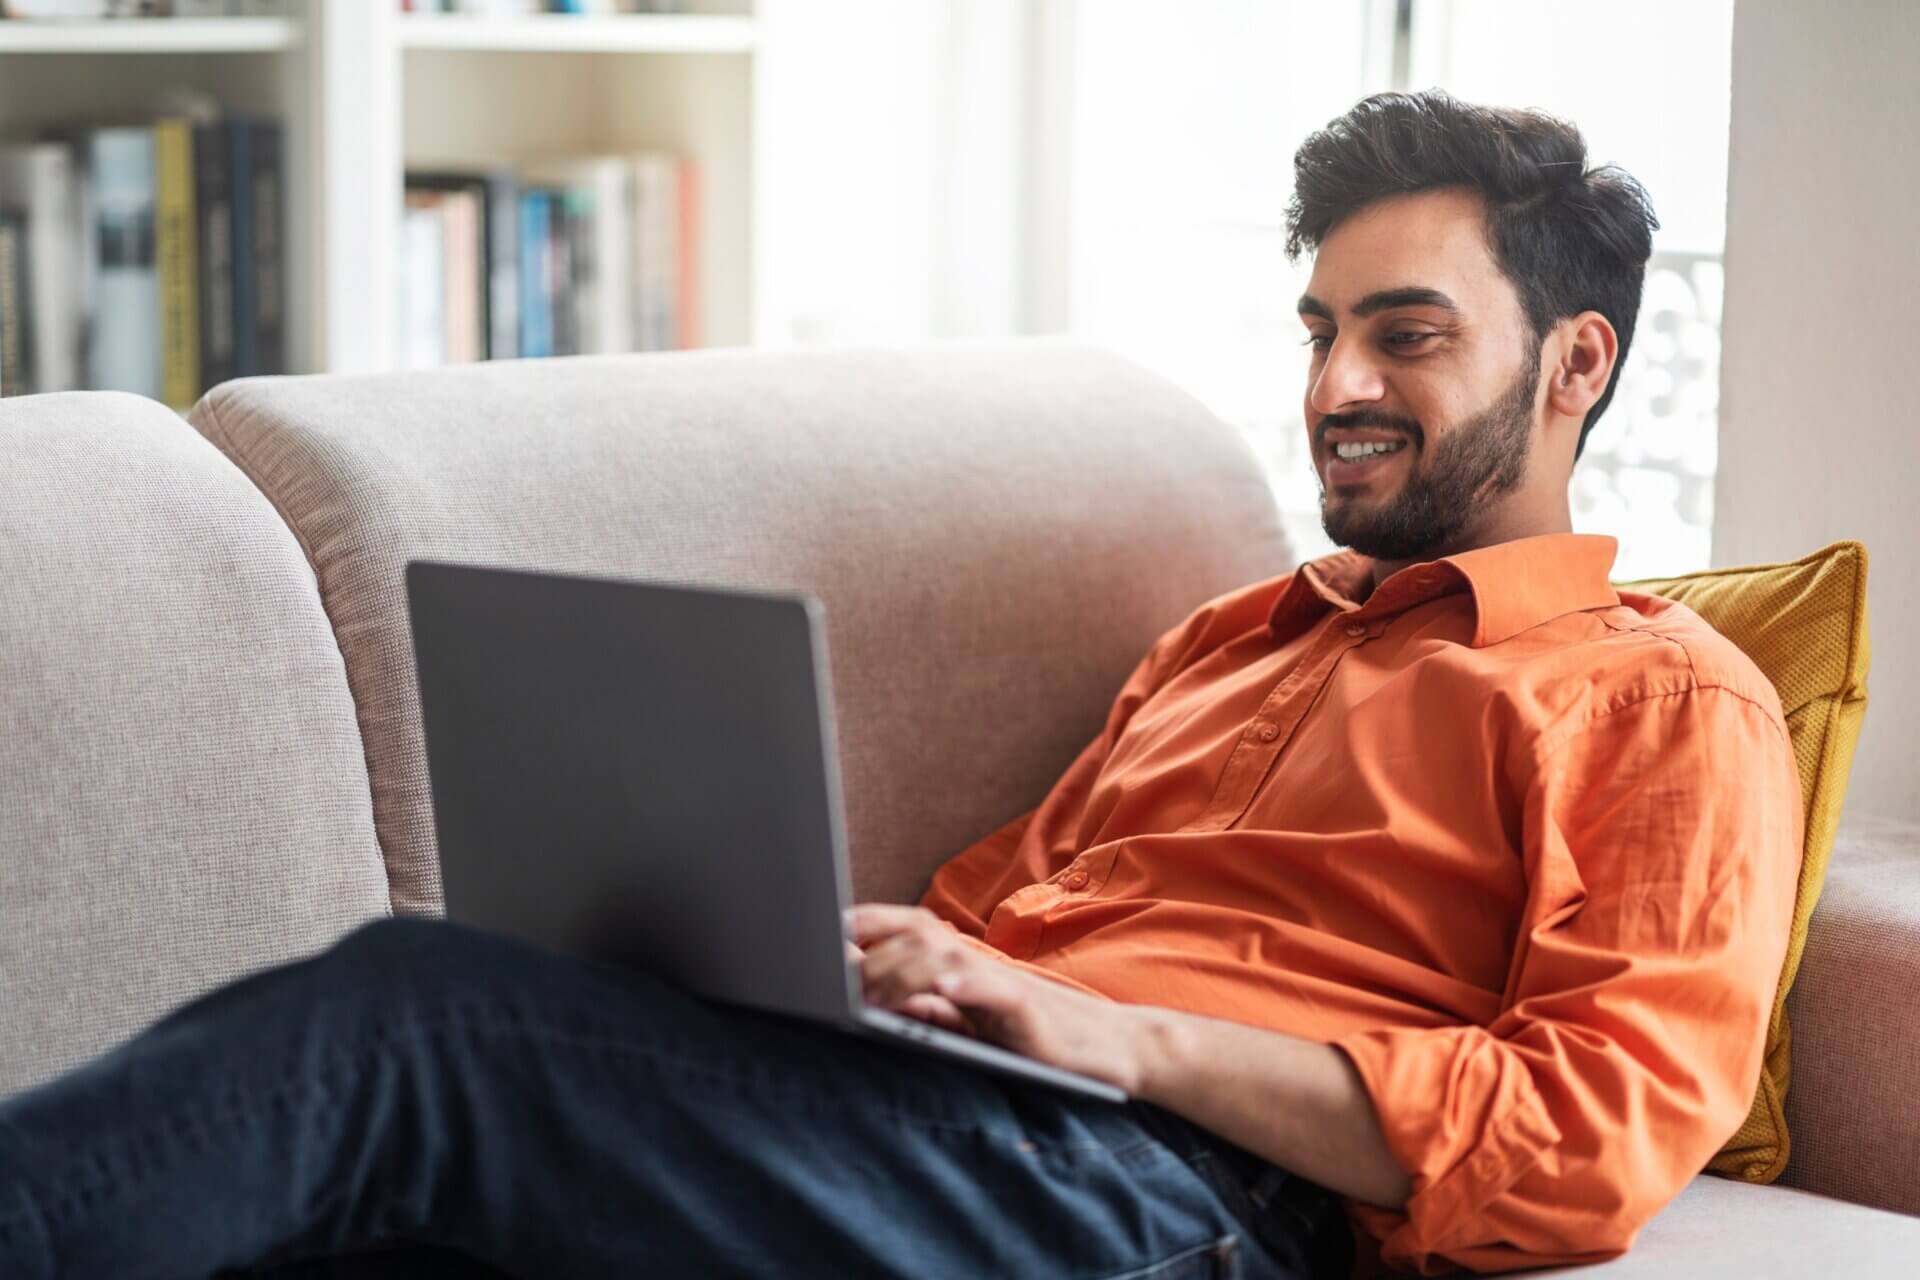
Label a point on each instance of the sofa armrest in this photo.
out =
(1853, 1106)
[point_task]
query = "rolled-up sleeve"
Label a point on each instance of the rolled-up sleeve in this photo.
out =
(1661, 842)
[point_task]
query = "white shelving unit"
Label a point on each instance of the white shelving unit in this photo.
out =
(367, 91)
(152, 35)
(556, 33)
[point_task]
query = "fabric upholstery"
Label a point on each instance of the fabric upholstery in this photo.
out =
(999, 531)
(1855, 1105)
(1718, 1229)
(183, 797)
(1804, 625)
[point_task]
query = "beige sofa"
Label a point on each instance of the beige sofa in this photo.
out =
(210, 757)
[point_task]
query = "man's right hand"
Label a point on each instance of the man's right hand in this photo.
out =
(927, 1006)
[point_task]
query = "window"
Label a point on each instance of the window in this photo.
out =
(1183, 128)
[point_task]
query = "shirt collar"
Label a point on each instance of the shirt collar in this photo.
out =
(1514, 585)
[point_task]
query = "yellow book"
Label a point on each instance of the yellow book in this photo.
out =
(174, 242)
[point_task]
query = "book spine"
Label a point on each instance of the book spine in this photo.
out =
(423, 328)
(56, 269)
(213, 203)
(576, 275)
(536, 288)
(269, 249)
(613, 253)
(125, 350)
(460, 222)
(246, 332)
(503, 268)
(174, 232)
(687, 314)
(15, 323)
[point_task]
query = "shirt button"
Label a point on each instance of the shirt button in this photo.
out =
(1076, 881)
(1355, 630)
(1267, 732)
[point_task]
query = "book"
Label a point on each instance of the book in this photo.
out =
(269, 255)
(423, 320)
(124, 353)
(213, 206)
(246, 328)
(497, 253)
(601, 253)
(176, 236)
(568, 267)
(16, 333)
(687, 313)
(503, 266)
(463, 273)
(657, 244)
(42, 179)
(536, 274)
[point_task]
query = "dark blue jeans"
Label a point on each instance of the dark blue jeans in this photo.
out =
(427, 1100)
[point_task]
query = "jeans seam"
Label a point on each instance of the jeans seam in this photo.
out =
(1216, 1245)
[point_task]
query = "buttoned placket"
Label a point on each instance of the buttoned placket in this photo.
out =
(1278, 718)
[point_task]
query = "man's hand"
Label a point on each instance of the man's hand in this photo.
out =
(1300, 1104)
(913, 963)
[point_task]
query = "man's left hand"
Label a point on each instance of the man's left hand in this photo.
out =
(915, 964)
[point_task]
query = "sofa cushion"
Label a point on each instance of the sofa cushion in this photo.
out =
(183, 797)
(1718, 1229)
(1804, 625)
(999, 531)
(1855, 1106)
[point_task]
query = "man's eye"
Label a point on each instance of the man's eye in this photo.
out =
(1409, 338)
(1320, 342)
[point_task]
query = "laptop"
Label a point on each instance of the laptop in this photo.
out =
(646, 773)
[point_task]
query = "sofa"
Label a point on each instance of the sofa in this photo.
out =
(210, 749)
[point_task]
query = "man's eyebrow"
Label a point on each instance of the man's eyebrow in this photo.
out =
(1383, 300)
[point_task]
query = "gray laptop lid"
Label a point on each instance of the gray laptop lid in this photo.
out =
(639, 772)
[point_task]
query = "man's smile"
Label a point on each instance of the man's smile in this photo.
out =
(1351, 457)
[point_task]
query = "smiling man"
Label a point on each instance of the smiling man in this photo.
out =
(1434, 888)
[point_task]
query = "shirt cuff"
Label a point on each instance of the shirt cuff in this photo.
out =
(1460, 1113)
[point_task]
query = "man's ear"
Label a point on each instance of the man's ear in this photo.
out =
(1582, 358)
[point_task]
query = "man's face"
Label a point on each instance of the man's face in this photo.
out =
(1423, 385)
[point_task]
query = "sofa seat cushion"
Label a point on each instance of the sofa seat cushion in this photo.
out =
(183, 797)
(1719, 1229)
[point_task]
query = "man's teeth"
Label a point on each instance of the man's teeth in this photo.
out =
(1353, 452)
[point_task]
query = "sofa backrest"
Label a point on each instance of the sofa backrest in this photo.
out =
(999, 532)
(183, 794)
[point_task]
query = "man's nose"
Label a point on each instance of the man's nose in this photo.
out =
(1347, 377)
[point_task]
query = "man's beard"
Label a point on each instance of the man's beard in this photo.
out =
(1483, 458)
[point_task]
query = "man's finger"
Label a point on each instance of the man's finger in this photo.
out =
(938, 1010)
(897, 968)
(871, 921)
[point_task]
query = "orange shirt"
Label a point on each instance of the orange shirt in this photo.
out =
(1521, 847)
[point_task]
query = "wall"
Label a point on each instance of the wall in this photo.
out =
(1819, 426)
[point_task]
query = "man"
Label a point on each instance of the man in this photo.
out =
(1434, 884)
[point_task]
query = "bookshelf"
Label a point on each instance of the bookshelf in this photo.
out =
(367, 92)
(555, 33)
(152, 35)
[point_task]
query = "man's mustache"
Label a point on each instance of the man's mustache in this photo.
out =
(1369, 418)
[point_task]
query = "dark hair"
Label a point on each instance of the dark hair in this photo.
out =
(1570, 238)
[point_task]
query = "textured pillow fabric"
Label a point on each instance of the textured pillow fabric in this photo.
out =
(1805, 625)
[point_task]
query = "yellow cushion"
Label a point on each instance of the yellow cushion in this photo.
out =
(1805, 625)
